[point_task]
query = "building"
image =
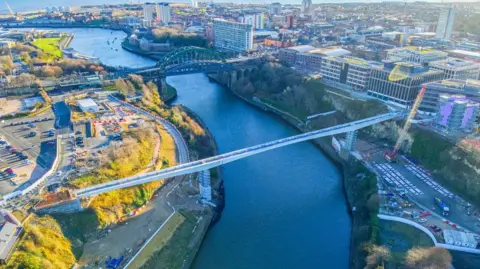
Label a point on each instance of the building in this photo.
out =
(275, 9)
(454, 68)
(195, 3)
(256, 20)
(308, 56)
(233, 36)
(88, 105)
(10, 230)
(445, 24)
(465, 54)
(147, 15)
(400, 82)
(456, 113)
(163, 13)
(469, 88)
(307, 6)
(416, 55)
(351, 71)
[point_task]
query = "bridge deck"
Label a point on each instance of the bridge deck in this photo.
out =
(218, 160)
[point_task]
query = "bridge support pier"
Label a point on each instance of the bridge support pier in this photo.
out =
(205, 185)
(351, 139)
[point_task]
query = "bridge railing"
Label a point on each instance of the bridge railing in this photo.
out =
(235, 155)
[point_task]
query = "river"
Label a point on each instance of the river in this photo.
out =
(284, 208)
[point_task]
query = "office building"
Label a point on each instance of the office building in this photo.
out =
(454, 68)
(147, 15)
(256, 20)
(469, 88)
(233, 36)
(465, 54)
(400, 82)
(445, 24)
(351, 71)
(275, 9)
(309, 57)
(456, 113)
(307, 7)
(163, 13)
(416, 55)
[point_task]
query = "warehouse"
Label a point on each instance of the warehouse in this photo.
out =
(88, 105)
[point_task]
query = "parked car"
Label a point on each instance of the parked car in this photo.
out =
(435, 228)
(422, 220)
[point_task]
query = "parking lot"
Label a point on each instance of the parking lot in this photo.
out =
(27, 146)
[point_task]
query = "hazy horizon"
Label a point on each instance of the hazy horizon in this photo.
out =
(26, 5)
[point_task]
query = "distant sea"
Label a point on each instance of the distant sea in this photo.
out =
(26, 5)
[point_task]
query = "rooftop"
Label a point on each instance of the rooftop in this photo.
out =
(331, 51)
(302, 48)
(466, 53)
(453, 63)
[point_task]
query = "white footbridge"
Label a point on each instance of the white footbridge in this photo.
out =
(204, 164)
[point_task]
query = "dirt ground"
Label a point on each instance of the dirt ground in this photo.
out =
(10, 106)
(119, 241)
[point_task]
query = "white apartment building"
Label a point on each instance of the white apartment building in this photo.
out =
(416, 55)
(233, 36)
(455, 68)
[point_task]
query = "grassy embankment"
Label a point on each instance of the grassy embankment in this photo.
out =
(43, 246)
(51, 46)
(172, 246)
(128, 160)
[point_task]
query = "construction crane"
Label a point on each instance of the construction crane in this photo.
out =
(10, 9)
(403, 133)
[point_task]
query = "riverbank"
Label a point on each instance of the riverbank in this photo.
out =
(357, 254)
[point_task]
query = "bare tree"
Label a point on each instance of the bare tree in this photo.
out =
(428, 258)
(377, 256)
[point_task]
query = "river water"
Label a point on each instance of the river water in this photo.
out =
(284, 208)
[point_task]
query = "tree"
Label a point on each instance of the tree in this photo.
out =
(428, 258)
(377, 256)
(122, 87)
(6, 64)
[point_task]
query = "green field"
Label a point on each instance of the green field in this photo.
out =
(50, 46)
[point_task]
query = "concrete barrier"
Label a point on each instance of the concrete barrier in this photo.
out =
(429, 233)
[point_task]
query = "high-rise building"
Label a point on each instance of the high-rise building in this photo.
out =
(400, 82)
(456, 113)
(275, 9)
(416, 55)
(306, 6)
(233, 36)
(445, 24)
(163, 13)
(256, 20)
(147, 15)
(195, 3)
